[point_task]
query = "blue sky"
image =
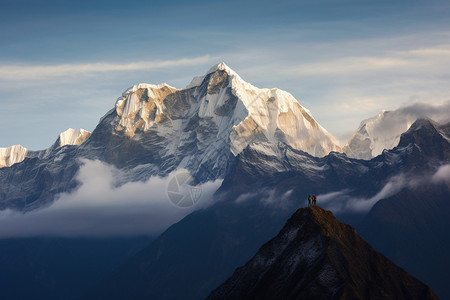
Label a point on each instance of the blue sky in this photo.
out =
(64, 63)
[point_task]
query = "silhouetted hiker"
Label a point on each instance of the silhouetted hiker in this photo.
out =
(314, 200)
(309, 200)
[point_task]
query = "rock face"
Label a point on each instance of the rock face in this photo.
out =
(316, 257)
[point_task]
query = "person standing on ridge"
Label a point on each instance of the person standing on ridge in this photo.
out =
(314, 200)
(309, 200)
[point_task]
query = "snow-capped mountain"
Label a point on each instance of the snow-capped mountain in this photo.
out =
(216, 115)
(383, 131)
(203, 127)
(17, 153)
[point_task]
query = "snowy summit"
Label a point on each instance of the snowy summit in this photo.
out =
(241, 114)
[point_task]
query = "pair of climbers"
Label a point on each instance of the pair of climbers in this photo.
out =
(312, 200)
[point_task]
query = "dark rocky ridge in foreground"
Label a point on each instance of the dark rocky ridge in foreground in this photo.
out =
(317, 257)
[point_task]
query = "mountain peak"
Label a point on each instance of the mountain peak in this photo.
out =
(224, 67)
(12, 155)
(317, 257)
(220, 66)
(72, 137)
(428, 138)
(421, 127)
(198, 80)
(423, 122)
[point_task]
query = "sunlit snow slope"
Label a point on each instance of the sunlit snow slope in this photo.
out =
(238, 112)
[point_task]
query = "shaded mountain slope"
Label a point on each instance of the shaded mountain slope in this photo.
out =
(195, 255)
(411, 228)
(316, 257)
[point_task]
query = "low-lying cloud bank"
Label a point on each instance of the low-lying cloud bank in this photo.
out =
(101, 208)
(343, 201)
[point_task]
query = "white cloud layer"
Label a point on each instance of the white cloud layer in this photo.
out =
(100, 208)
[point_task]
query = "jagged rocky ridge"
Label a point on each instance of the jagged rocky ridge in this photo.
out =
(17, 153)
(316, 257)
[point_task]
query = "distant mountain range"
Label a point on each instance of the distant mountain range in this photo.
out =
(270, 153)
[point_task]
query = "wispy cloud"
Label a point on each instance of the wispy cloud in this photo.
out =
(37, 72)
(101, 208)
(412, 60)
(442, 175)
(428, 52)
(349, 65)
(346, 201)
